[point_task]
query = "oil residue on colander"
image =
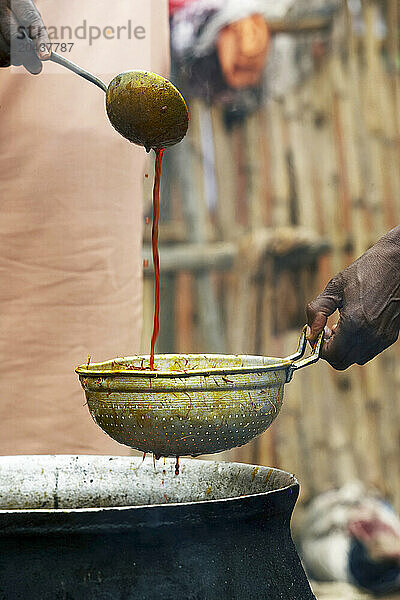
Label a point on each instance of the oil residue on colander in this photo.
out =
(189, 404)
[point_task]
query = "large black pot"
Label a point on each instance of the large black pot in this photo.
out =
(97, 528)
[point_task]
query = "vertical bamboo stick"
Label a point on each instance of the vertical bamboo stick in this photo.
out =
(265, 168)
(345, 221)
(226, 177)
(393, 25)
(297, 117)
(254, 187)
(370, 81)
(147, 319)
(184, 317)
(279, 173)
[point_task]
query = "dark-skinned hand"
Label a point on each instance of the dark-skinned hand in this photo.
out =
(367, 295)
(15, 48)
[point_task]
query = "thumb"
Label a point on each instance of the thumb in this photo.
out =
(324, 305)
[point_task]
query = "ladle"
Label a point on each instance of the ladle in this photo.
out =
(143, 107)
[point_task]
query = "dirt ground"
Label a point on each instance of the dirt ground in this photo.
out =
(342, 591)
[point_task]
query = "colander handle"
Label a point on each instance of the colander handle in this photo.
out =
(301, 347)
(309, 360)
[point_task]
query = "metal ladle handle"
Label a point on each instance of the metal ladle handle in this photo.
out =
(68, 64)
(64, 62)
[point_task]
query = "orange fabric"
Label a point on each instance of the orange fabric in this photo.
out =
(70, 232)
(242, 51)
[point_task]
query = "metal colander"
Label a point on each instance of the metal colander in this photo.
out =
(190, 404)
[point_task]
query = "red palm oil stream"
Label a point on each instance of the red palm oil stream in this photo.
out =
(156, 259)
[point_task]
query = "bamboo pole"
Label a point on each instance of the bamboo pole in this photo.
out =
(302, 26)
(393, 25)
(255, 168)
(266, 164)
(279, 174)
(148, 308)
(184, 313)
(225, 169)
(351, 193)
(198, 224)
(370, 81)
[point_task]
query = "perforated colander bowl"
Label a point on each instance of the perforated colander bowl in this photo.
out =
(190, 404)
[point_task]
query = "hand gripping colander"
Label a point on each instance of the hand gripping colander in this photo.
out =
(190, 404)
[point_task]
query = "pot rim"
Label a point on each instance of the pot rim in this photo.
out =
(98, 509)
(279, 365)
(94, 510)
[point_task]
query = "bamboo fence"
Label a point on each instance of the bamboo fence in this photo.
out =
(301, 188)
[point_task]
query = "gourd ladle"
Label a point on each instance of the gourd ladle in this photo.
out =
(143, 107)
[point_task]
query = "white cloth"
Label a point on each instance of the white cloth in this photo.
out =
(70, 229)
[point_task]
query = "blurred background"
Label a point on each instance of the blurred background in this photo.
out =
(289, 172)
(264, 202)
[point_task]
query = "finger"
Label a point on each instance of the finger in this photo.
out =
(17, 45)
(323, 306)
(22, 49)
(4, 27)
(8, 27)
(29, 17)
